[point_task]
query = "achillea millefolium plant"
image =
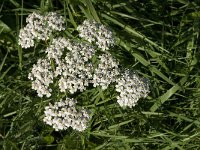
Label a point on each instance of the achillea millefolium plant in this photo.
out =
(72, 64)
(99, 74)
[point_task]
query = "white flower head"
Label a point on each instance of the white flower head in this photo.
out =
(39, 27)
(57, 47)
(63, 115)
(41, 76)
(131, 88)
(55, 21)
(106, 72)
(98, 33)
(75, 69)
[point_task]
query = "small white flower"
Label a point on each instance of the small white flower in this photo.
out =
(106, 72)
(63, 115)
(98, 33)
(131, 88)
(40, 27)
(41, 76)
(75, 69)
(55, 21)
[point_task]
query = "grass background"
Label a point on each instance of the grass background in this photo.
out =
(158, 39)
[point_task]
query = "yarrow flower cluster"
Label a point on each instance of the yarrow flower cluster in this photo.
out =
(106, 72)
(54, 21)
(70, 63)
(63, 115)
(57, 48)
(98, 33)
(42, 76)
(76, 68)
(131, 88)
(40, 27)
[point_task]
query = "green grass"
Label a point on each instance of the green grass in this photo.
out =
(158, 39)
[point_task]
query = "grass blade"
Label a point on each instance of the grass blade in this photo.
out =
(133, 32)
(4, 74)
(146, 63)
(92, 10)
(71, 17)
(168, 94)
(3, 62)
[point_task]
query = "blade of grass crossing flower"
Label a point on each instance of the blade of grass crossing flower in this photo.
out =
(133, 32)
(92, 10)
(146, 63)
(136, 55)
(168, 94)
(153, 54)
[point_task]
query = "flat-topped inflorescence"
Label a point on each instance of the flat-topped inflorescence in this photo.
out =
(57, 48)
(131, 88)
(41, 76)
(63, 115)
(75, 68)
(74, 65)
(95, 32)
(106, 71)
(54, 21)
(40, 27)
